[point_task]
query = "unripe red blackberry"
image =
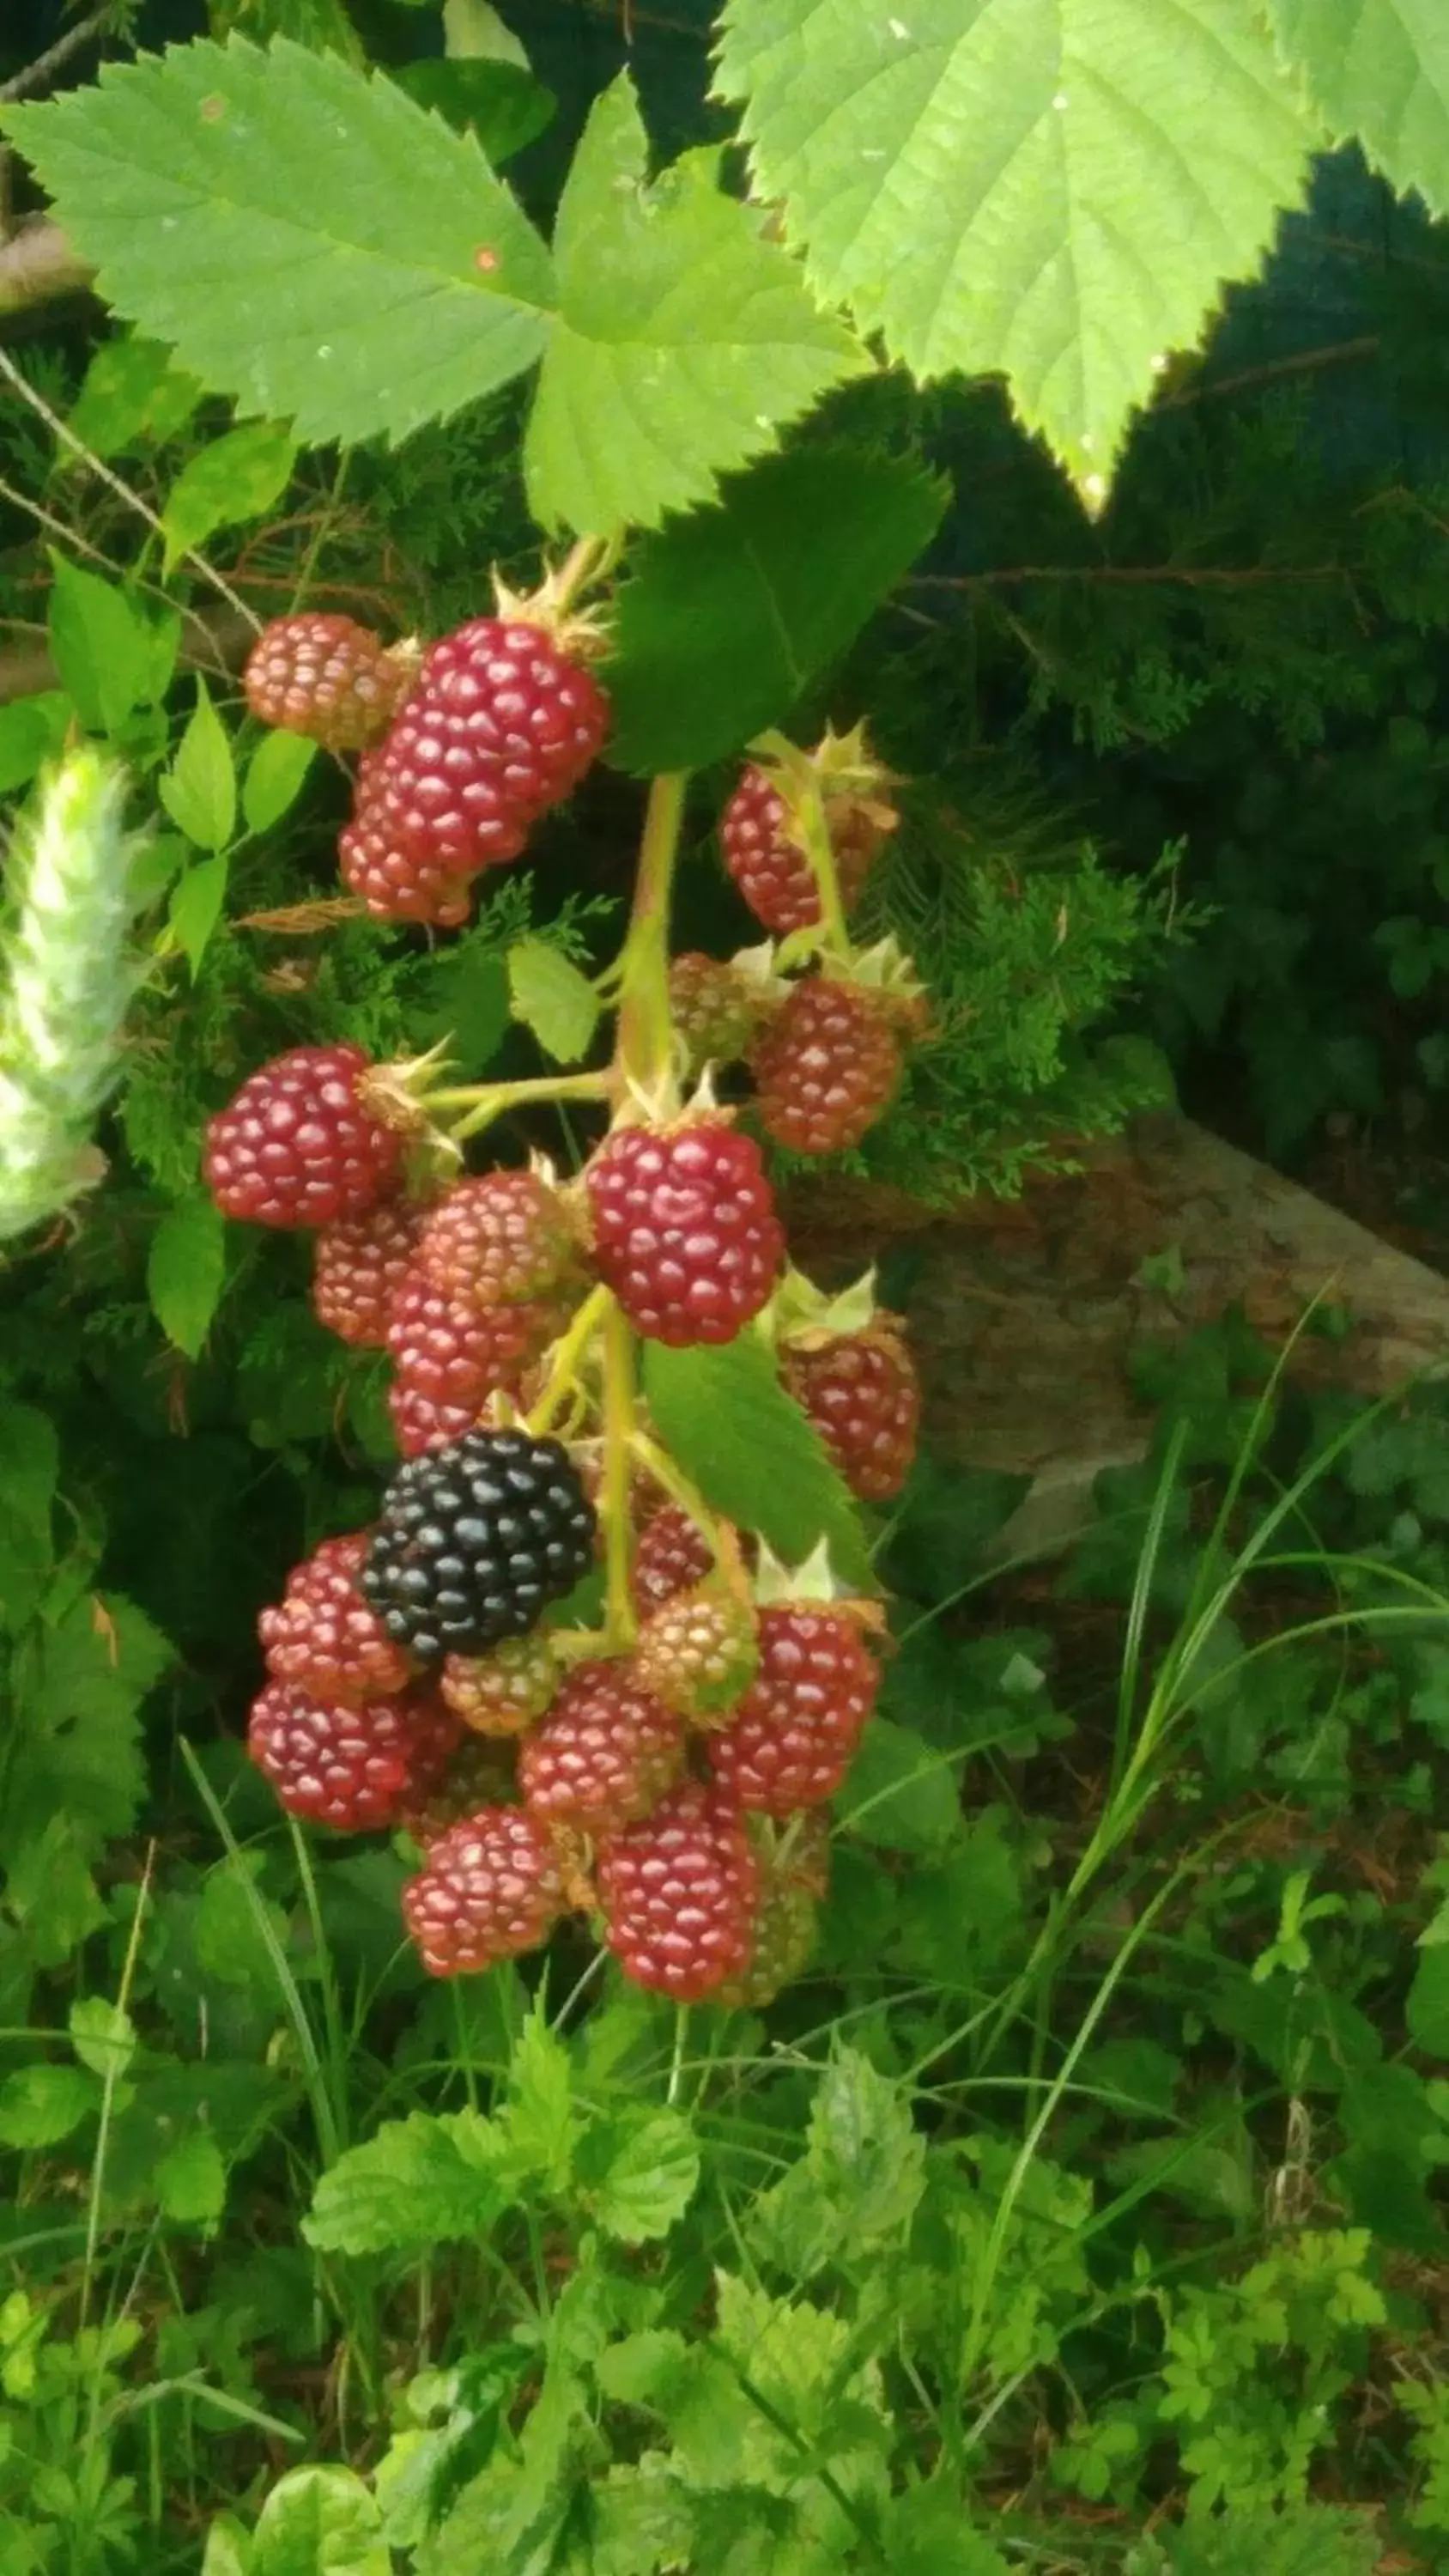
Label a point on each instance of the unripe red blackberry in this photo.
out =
(358, 1266)
(352, 1767)
(685, 1230)
(492, 1886)
(766, 856)
(450, 1356)
(826, 1066)
(698, 1654)
(783, 1935)
(672, 1554)
(502, 1693)
(795, 1733)
(479, 1774)
(326, 676)
(322, 1636)
(296, 1146)
(864, 1398)
(715, 1007)
(678, 1892)
(498, 1239)
(502, 723)
(605, 1753)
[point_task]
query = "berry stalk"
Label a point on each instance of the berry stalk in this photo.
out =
(808, 807)
(644, 1054)
(483, 1102)
(619, 1362)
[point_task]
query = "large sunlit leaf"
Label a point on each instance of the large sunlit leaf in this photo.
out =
(684, 339)
(305, 238)
(1378, 69)
(1050, 190)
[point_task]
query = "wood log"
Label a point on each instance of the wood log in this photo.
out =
(1024, 1313)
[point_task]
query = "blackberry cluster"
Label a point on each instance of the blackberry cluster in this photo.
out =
(475, 1540)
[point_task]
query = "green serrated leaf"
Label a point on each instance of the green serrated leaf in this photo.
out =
(131, 391)
(190, 2181)
(199, 789)
(232, 479)
(276, 775)
(420, 2182)
(40, 2105)
(540, 2120)
(553, 999)
(902, 1794)
(729, 615)
(30, 1450)
(32, 731)
(319, 2522)
(102, 2034)
(185, 1269)
(305, 237)
(196, 907)
(724, 1416)
(77, 1745)
(1378, 70)
(501, 103)
(639, 2173)
(859, 2183)
(1050, 190)
(228, 2548)
(684, 339)
(100, 646)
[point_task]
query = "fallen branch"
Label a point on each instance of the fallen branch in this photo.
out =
(37, 263)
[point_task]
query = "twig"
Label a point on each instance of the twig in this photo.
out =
(36, 263)
(61, 429)
(1302, 362)
(36, 74)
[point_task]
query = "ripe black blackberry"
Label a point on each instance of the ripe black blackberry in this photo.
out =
(474, 1540)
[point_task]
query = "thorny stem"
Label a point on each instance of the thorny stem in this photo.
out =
(644, 1055)
(808, 811)
(618, 1434)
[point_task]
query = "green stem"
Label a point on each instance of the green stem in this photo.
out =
(658, 1463)
(618, 1440)
(808, 813)
(486, 1101)
(563, 1369)
(645, 1051)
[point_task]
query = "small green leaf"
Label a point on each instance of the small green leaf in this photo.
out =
(1378, 71)
(102, 2034)
(553, 999)
(40, 2105)
(190, 2181)
(540, 2119)
(31, 1454)
(100, 646)
(1427, 2009)
(31, 732)
(276, 775)
(859, 2183)
(196, 907)
(319, 2522)
(199, 790)
(638, 2174)
(131, 391)
(902, 1795)
(305, 237)
(724, 1416)
(684, 339)
(232, 479)
(184, 1271)
(730, 614)
(228, 2548)
(500, 103)
(420, 2182)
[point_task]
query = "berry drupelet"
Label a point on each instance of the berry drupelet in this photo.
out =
(795, 1733)
(685, 1230)
(492, 1886)
(678, 1892)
